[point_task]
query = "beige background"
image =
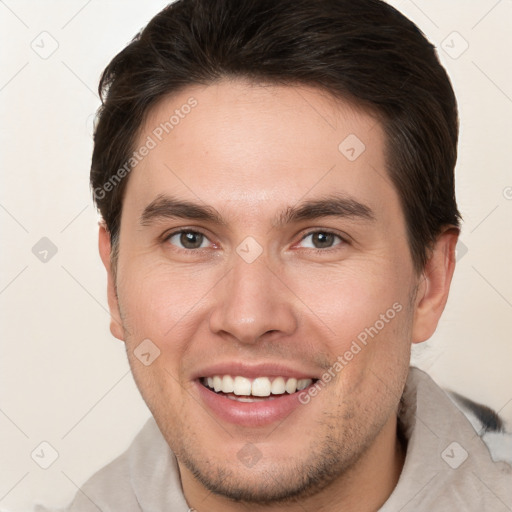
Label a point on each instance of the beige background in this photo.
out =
(64, 379)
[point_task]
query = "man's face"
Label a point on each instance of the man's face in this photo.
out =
(295, 258)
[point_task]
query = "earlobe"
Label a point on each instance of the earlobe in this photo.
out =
(105, 249)
(435, 285)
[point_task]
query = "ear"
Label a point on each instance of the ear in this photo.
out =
(116, 326)
(434, 285)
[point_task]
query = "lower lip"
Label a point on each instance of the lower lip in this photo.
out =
(250, 414)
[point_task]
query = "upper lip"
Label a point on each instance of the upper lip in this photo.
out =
(251, 371)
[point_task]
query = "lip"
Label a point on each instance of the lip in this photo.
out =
(252, 371)
(249, 414)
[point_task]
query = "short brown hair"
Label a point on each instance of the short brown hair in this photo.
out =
(364, 51)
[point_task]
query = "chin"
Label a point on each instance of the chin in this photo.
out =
(260, 478)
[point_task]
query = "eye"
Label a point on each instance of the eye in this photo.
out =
(321, 240)
(188, 239)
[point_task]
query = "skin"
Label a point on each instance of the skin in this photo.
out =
(250, 151)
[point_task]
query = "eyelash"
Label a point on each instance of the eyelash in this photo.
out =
(342, 240)
(168, 236)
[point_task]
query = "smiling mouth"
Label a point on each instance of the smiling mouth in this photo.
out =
(243, 389)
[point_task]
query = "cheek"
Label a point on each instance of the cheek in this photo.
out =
(367, 338)
(160, 302)
(354, 303)
(160, 309)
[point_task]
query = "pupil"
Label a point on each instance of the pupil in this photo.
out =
(322, 239)
(191, 240)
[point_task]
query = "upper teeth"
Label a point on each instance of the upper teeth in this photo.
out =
(261, 386)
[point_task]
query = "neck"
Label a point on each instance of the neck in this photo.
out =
(364, 488)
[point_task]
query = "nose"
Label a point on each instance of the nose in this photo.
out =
(253, 303)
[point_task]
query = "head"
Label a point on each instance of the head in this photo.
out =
(276, 181)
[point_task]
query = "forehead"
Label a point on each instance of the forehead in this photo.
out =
(253, 148)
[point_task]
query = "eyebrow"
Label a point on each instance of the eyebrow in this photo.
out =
(330, 206)
(168, 207)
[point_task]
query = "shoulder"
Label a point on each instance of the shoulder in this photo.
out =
(457, 455)
(125, 482)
